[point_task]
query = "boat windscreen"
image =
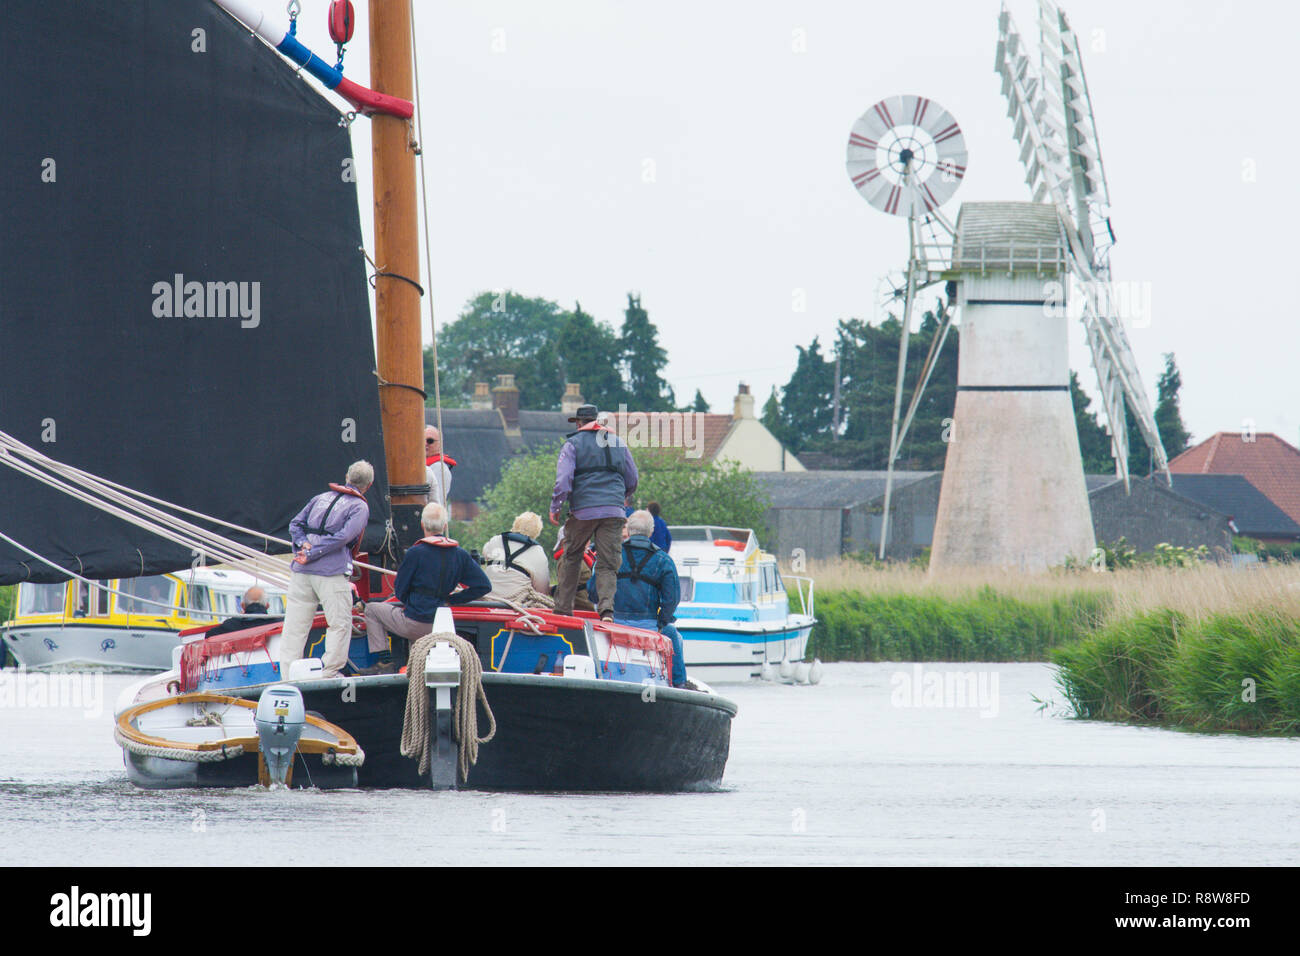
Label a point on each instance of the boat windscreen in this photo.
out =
(41, 599)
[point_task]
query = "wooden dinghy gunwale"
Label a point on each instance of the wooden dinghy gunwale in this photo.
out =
(345, 744)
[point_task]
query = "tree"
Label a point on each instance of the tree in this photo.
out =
(1094, 442)
(500, 333)
(868, 377)
(1169, 422)
(699, 404)
(1169, 417)
(688, 491)
(589, 354)
(644, 359)
(804, 410)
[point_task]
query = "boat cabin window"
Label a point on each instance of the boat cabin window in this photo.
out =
(199, 602)
(142, 591)
(41, 598)
(92, 600)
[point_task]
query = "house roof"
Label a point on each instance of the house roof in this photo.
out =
(830, 489)
(1250, 510)
(1267, 462)
(705, 430)
(477, 439)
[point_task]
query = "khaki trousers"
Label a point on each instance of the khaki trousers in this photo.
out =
(608, 533)
(334, 595)
(384, 618)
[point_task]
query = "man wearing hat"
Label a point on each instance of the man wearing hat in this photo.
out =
(595, 474)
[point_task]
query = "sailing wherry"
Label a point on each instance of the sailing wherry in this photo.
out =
(579, 704)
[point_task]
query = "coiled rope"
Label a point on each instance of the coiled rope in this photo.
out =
(464, 726)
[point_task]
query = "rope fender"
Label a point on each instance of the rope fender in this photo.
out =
(169, 753)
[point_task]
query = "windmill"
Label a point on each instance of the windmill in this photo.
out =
(1059, 148)
(906, 156)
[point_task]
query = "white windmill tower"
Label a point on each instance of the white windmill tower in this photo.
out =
(1062, 156)
(906, 156)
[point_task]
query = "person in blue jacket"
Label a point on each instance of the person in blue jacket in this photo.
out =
(662, 537)
(431, 571)
(648, 590)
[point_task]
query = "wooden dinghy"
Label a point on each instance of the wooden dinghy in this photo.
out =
(210, 740)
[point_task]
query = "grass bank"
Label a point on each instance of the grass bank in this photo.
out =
(1203, 648)
(985, 625)
(900, 613)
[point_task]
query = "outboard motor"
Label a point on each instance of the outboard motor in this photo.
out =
(281, 717)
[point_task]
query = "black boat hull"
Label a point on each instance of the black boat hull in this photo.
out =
(553, 733)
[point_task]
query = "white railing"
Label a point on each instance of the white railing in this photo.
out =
(806, 601)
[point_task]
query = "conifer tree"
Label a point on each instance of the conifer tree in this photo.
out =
(644, 360)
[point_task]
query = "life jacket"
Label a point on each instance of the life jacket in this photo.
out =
(525, 542)
(597, 476)
(439, 541)
(445, 459)
(319, 527)
(638, 566)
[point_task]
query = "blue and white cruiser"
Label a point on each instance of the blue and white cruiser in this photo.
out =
(735, 616)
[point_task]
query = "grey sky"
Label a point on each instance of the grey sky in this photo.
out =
(541, 120)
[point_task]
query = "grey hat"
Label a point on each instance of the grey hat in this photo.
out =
(585, 413)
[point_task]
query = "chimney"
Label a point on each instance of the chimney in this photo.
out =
(571, 400)
(482, 399)
(505, 399)
(744, 407)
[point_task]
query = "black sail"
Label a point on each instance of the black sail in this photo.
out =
(151, 145)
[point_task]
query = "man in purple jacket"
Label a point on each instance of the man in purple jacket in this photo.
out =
(326, 535)
(595, 474)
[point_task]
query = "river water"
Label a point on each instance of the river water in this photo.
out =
(856, 770)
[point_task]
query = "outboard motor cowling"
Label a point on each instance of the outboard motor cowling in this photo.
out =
(281, 717)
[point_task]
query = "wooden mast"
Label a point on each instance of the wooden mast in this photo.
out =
(397, 302)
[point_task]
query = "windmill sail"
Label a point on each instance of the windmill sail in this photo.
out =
(184, 307)
(1059, 148)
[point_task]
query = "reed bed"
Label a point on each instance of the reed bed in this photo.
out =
(1206, 648)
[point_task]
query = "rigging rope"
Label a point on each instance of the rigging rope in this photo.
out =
(428, 261)
(464, 727)
(137, 508)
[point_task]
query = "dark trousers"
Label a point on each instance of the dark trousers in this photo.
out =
(608, 533)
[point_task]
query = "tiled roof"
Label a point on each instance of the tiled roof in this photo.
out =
(477, 439)
(704, 431)
(1267, 462)
(1254, 514)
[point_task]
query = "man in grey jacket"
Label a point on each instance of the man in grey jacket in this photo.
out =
(326, 535)
(595, 474)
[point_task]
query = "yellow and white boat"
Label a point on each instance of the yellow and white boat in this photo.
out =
(75, 624)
